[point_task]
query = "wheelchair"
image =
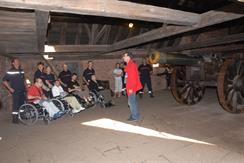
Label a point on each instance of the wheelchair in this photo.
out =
(100, 98)
(30, 113)
(100, 95)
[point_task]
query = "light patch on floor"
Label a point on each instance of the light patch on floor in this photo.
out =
(120, 126)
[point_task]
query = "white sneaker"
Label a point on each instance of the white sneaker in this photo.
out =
(82, 108)
(75, 111)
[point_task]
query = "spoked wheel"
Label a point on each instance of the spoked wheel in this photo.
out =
(28, 114)
(93, 99)
(59, 104)
(101, 101)
(46, 118)
(185, 91)
(63, 106)
(231, 86)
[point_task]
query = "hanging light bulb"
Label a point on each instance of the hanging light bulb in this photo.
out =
(131, 25)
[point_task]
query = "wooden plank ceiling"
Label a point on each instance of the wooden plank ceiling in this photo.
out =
(100, 28)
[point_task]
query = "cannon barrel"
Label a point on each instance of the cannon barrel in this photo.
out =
(172, 59)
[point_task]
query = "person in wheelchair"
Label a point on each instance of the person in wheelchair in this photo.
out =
(58, 92)
(35, 95)
(75, 89)
(103, 96)
(93, 85)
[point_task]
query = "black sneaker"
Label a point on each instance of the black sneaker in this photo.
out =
(15, 120)
(140, 95)
(151, 95)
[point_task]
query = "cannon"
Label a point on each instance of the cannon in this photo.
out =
(191, 75)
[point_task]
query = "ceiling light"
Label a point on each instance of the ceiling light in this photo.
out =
(131, 25)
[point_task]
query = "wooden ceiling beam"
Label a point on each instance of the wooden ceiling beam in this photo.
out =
(210, 18)
(102, 55)
(77, 48)
(215, 49)
(108, 8)
(208, 43)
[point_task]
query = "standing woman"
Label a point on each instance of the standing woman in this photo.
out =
(117, 72)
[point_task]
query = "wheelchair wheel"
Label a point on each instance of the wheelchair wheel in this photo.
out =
(28, 114)
(46, 118)
(59, 104)
(101, 101)
(70, 113)
(93, 99)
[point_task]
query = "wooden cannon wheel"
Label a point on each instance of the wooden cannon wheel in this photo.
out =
(231, 86)
(187, 92)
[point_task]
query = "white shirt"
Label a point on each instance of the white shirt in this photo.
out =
(117, 71)
(57, 90)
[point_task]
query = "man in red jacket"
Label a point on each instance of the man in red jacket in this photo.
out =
(133, 84)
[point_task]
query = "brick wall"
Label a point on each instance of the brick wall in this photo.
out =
(103, 70)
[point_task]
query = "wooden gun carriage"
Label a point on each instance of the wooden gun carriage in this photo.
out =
(191, 75)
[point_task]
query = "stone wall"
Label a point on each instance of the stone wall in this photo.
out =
(103, 70)
(5, 97)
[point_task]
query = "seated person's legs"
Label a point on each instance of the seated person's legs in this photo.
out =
(50, 107)
(83, 94)
(74, 103)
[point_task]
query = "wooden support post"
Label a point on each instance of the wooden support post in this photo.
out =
(63, 34)
(42, 18)
(100, 33)
(106, 35)
(78, 35)
(88, 31)
(118, 34)
(93, 34)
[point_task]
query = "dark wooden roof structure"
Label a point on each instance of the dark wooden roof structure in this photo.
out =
(78, 29)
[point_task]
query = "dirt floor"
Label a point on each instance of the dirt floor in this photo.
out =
(167, 132)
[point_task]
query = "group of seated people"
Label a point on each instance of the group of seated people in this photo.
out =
(35, 95)
(65, 87)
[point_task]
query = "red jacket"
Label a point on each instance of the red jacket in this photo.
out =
(132, 81)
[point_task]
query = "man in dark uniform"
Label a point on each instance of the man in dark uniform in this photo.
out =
(40, 72)
(87, 74)
(145, 76)
(14, 81)
(65, 77)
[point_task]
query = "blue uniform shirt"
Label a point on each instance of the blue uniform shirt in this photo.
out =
(39, 74)
(145, 70)
(88, 73)
(65, 76)
(16, 79)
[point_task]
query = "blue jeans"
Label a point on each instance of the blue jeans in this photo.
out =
(133, 106)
